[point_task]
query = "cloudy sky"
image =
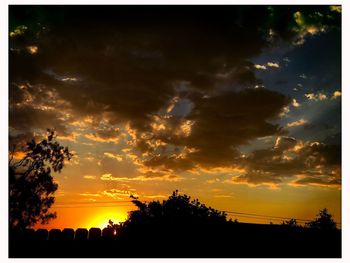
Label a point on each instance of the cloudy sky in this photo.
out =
(239, 106)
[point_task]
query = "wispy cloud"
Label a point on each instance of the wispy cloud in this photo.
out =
(316, 96)
(110, 177)
(295, 103)
(89, 177)
(267, 65)
(336, 94)
(117, 157)
(296, 123)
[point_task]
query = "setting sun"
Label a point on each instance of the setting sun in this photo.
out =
(101, 220)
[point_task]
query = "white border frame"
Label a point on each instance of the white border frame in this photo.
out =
(4, 120)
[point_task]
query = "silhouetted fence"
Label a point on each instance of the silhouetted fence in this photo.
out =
(67, 234)
(233, 240)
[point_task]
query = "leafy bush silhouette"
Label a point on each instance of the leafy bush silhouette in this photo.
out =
(323, 221)
(174, 218)
(31, 185)
(290, 223)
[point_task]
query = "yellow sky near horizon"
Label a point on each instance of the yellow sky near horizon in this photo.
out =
(287, 201)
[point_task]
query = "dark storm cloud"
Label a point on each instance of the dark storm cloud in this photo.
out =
(26, 117)
(316, 163)
(18, 95)
(105, 134)
(17, 142)
(284, 143)
(224, 122)
(131, 57)
(34, 108)
(319, 181)
(130, 62)
(219, 124)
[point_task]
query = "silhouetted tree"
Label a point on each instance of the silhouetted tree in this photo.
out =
(31, 186)
(323, 221)
(178, 214)
(291, 223)
(177, 206)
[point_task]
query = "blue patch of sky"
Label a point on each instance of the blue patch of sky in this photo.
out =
(312, 67)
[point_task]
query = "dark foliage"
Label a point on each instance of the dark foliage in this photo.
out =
(290, 223)
(178, 208)
(180, 227)
(178, 214)
(31, 185)
(323, 221)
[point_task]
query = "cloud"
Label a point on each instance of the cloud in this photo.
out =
(158, 65)
(110, 177)
(296, 24)
(317, 181)
(257, 66)
(267, 65)
(126, 168)
(70, 137)
(213, 181)
(32, 49)
(35, 108)
(305, 28)
(293, 162)
(154, 196)
(322, 96)
(19, 155)
(273, 64)
(223, 196)
(283, 143)
(118, 69)
(335, 8)
(117, 193)
(295, 103)
(284, 112)
(19, 30)
(104, 135)
(19, 141)
(336, 94)
(117, 157)
(221, 124)
(90, 194)
(257, 178)
(316, 97)
(89, 177)
(27, 118)
(297, 123)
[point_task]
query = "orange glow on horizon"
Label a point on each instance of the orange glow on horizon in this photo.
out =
(86, 217)
(101, 220)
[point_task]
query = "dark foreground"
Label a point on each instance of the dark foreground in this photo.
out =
(238, 241)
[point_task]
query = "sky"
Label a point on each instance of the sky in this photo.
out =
(238, 106)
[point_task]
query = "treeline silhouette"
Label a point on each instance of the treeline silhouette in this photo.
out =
(181, 227)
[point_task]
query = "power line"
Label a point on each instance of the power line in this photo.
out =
(268, 216)
(259, 216)
(240, 214)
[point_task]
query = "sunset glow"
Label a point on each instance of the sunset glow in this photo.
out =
(242, 114)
